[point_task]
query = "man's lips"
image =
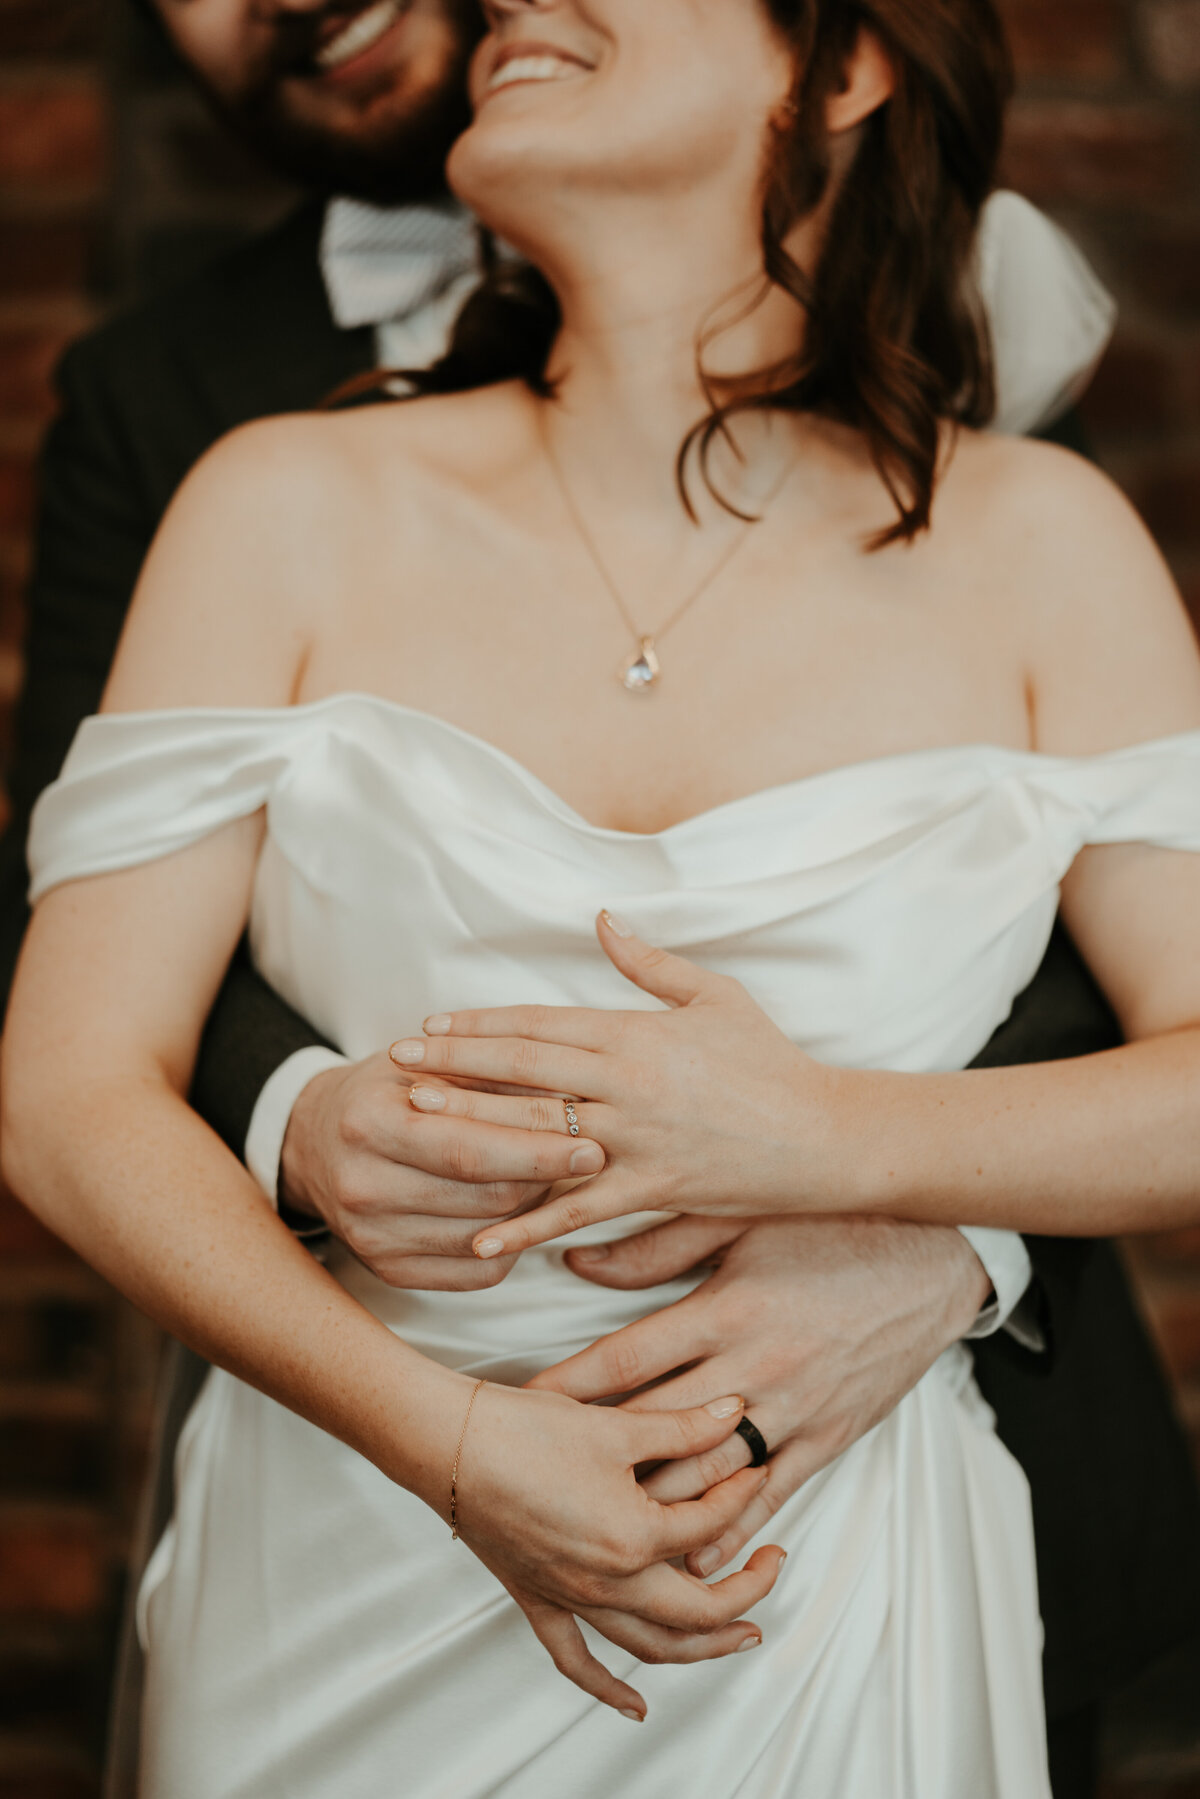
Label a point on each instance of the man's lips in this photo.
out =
(341, 42)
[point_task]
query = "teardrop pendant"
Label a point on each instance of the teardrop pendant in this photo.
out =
(642, 670)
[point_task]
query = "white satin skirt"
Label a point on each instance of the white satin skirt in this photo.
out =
(313, 1633)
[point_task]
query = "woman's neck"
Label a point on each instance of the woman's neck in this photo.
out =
(637, 293)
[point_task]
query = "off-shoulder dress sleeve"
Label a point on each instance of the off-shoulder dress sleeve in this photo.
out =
(139, 786)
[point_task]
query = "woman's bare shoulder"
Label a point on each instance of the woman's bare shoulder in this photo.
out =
(306, 474)
(1111, 654)
(223, 607)
(1004, 478)
(270, 527)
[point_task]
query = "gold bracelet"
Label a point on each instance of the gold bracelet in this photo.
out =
(457, 1453)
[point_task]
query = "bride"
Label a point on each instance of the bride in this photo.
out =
(830, 693)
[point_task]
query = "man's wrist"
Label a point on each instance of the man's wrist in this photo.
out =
(1007, 1267)
(279, 1175)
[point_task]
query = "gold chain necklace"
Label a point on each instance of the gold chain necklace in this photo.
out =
(641, 669)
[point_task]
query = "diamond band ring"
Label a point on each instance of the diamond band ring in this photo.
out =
(572, 1117)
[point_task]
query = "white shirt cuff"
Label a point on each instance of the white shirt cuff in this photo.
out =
(269, 1120)
(1007, 1265)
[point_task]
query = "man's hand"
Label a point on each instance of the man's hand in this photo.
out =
(403, 1191)
(823, 1324)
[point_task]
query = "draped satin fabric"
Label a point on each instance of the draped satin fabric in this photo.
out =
(311, 1628)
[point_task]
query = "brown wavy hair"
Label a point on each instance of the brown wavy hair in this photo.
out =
(895, 342)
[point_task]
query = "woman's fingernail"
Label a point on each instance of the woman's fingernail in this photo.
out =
(408, 1052)
(708, 1560)
(725, 1408)
(438, 1025)
(747, 1643)
(618, 925)
(596, 1252)
(487, 1247)
(427, 1099)
(587, 1159)
(634, 1717)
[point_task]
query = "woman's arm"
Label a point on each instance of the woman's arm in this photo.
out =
(115, 982)
(708, 1108)
(113, 986)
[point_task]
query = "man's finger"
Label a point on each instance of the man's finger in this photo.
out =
(690, 1525)
(661, 1254)
(464, 1151)
(434, 1197)
(674, 1481)
(563, 1640)
(787, 1472)
(441, 1274)
(628, 1359)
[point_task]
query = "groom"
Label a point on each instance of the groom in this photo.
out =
(824, 1324)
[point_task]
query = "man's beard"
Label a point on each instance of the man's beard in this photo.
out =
(402, 160)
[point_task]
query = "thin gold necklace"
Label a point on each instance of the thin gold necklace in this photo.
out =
(641, 669)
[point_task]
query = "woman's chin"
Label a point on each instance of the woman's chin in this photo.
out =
(502, 176)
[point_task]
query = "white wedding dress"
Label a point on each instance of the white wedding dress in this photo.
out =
(313, 1633)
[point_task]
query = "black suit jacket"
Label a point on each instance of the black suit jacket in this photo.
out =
(1116, 1510)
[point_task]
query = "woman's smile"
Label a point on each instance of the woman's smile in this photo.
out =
(523, 63)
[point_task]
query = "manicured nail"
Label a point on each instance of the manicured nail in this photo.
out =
(438, 1025)
(427, 1099)
(587, 1159)
(634, 1717)
(487, 1247)
(596, 1252)
(617, 925)
(408, 1052)
(725, 1408)
(707, 1560)
(747, 1643)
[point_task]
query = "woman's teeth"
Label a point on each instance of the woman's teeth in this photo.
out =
(532, 68)
(359, 35)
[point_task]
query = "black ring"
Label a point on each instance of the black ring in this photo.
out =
(755, 1442)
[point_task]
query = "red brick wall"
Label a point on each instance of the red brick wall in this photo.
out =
(1106, 134)
(62, 1408)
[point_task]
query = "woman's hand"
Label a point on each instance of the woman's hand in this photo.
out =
(549, 1502)
(704, 1108)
